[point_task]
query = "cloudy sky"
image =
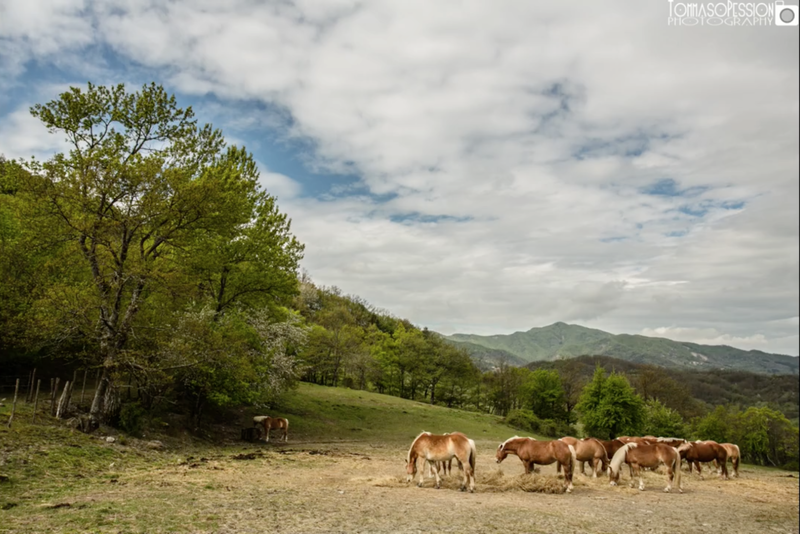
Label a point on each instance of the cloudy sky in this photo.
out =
(479, 167)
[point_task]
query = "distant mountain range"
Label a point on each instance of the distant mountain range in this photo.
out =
(563, 341)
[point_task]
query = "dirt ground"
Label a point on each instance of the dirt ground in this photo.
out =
(357, 487)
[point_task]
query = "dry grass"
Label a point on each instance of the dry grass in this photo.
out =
(497, 482)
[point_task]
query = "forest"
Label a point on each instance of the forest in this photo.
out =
(149, 255)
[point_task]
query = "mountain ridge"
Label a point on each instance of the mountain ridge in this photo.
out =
(563, 341)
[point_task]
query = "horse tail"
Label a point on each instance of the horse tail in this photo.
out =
(573, 459)
(676, 468)
(286, 422)
(472, 454)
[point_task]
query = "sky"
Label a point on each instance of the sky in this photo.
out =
(479, 167)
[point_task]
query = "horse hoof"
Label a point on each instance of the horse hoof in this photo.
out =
(666, 490)
(419, 484)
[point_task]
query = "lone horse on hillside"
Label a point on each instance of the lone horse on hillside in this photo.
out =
(268, 423)
(531, 452)
(645, 455)
(434, 448)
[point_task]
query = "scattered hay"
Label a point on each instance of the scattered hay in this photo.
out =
(497, 482)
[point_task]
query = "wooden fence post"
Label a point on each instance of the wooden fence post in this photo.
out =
(14, 406)
(53, 397)
(63, 401)
(30, 390)
(36, 398)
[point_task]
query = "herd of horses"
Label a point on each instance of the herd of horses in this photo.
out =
(437, 452)
(648, 452)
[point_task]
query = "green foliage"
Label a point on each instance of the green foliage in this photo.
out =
(662, 421)
(765, 436)
(147, 215)
(545, 395)
(527, 421)
(131, 418)
(609, 407)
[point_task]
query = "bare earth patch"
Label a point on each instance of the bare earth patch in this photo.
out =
(355, 487)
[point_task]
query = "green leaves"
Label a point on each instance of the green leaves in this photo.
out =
(610, 407)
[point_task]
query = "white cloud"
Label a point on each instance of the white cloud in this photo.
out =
(514, 141)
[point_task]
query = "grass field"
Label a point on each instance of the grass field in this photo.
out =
(343, 471)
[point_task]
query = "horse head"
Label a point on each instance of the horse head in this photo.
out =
(501, 453)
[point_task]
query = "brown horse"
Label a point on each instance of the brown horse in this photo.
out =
(611, 446)
(268, 423)
(695, 452)
(588, 450)
(638, 456)
(733, 455)
(434, 448)
(446, 467)
(531, 452)
(672, 442)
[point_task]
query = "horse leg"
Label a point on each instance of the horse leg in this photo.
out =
(595, 467)
(669, 479)
(569, 469)
(641, 477)
(735, 464)
(438, 480)
(699, 470)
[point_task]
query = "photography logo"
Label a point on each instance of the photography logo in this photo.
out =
(730, 13)
(785, 15)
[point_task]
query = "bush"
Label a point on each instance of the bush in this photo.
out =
(131, 418)
(526, 420)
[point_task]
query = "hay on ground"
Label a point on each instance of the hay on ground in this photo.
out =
(497, 482)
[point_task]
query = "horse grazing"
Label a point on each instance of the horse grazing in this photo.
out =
(696, 452)
(588, 450)
(531, 452)
(446, 467)
(638, 456)
(434, 448)
(268, 423)
(733, 455)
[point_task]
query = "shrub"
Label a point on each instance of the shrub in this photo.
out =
(524, 420)
(131, 418)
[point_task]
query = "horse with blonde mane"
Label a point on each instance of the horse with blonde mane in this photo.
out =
(638, 456)
(531, 452)
(697, 452)
(588, 450)
(434, 448)
(268, 423)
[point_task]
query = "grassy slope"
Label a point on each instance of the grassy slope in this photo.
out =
(319, 413)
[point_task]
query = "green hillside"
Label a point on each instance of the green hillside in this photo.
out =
(325, 413)
(560, 340)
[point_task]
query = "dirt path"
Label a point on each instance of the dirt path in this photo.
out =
(357, 488)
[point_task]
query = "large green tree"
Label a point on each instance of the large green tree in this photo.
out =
(609, 406)
(142, 186)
